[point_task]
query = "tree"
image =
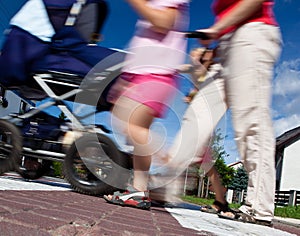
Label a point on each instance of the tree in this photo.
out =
(219, 154)
(240, 180)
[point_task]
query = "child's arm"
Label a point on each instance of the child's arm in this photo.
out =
(162, 20)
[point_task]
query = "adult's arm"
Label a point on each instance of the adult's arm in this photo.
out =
(240, 13)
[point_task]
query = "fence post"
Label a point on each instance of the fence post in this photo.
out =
(207, 189)
(185, 181)
(229, 195)
(242, 196)
(200, 185)
(292, 198)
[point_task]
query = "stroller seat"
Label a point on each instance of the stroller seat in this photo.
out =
(57, 78)
(73, 80)
(33, 59)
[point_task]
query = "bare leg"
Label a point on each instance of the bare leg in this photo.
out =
(137, 119)
(220, 204)
(218, 188)
(139, 124)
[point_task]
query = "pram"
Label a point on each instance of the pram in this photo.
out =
(50, 55)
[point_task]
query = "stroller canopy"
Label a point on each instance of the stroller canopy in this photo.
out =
(39, 40)
(34, 19)
(43, 18)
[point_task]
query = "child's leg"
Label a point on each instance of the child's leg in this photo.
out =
(139, 124)
(137, 119)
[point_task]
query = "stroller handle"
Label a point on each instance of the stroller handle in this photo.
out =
(197, 34)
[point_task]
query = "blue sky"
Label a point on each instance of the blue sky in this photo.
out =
(286, 84)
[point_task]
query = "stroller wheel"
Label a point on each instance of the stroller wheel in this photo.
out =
(32, 168)
(10, 145)
(94, 165)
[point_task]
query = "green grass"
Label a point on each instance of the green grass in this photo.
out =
(287, 212)
(204, 201)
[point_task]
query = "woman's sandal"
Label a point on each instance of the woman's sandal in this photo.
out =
(131, 197)
(243, 217)
(216, 208)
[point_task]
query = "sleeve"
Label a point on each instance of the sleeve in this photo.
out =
(174, 3)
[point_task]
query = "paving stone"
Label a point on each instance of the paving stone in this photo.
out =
(46, 211)
(31, 219)
(11, 229)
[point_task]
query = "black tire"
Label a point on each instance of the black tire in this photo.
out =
(10, 145)
(93, 165)
(32, 168)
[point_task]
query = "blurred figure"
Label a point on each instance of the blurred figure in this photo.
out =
(203, 66)
(249, 46)
(147, 83)
(166, 189)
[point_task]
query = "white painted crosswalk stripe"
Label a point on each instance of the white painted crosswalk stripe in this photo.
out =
(12, 181)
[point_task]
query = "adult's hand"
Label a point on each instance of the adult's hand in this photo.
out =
(211, 34)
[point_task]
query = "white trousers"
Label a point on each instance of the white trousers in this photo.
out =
(243, 85)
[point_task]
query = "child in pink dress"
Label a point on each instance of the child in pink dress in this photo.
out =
(147, 83)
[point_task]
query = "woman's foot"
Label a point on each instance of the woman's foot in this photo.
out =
(218, 207)
(246, 217)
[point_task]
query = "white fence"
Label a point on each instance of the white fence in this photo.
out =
(287, 198)
(282, 198)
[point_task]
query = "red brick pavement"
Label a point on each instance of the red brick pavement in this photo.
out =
(39, 213)
(67, 213)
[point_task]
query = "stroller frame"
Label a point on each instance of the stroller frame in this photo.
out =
(31, 155)
(41, 159)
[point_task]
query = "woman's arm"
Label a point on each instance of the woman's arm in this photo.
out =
(240, 13)
(162, 20)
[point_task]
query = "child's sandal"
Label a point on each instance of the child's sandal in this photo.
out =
(130, 198)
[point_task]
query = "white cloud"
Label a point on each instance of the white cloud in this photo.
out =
(285, 124)
(286, 96)
(287, 80)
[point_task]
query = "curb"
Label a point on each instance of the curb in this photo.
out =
(287, 221)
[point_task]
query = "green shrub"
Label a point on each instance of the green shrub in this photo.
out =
(58, 169)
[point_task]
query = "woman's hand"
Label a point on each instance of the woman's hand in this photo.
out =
(211, 33)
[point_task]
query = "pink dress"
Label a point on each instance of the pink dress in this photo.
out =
(150, 72)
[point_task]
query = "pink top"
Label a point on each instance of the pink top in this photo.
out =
(156, 53)
(223, 7)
